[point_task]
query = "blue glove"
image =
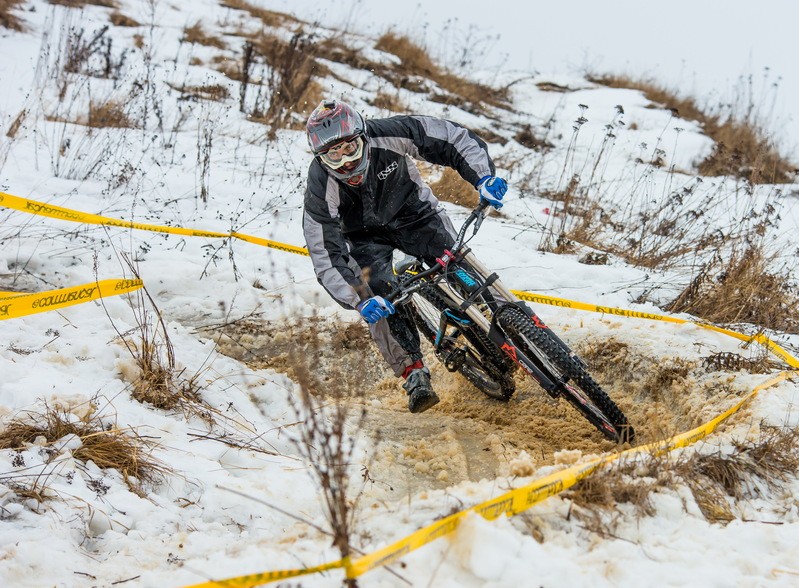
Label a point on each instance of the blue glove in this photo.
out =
(492, 189)
(375, 308)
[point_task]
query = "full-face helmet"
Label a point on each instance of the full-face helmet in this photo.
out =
(337, 136)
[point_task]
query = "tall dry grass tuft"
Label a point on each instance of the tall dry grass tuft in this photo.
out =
(742, 287)
(720, 479)
(8, 16)
(415, 62)
(154, 374)
(330, 412)
(743, 146)
(109, 113)
(278, 79)
(414, 59)
(107, 446)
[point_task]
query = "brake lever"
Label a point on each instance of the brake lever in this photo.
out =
(479, 221)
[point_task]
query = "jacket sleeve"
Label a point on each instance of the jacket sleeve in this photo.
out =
(335, 270)
(437, 141)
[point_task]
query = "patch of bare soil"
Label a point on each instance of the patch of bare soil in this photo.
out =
(469, 436)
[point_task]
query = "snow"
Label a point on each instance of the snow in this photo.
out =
(219, 510)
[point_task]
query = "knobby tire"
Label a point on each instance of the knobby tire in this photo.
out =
(492, 374)
(518, 327)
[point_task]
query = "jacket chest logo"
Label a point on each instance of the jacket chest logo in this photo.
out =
(386, 172)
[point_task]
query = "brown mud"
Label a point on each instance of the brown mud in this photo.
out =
(469, 436)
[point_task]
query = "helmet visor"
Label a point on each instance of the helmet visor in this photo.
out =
(343, 153)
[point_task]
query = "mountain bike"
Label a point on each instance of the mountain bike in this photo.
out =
(481, 330)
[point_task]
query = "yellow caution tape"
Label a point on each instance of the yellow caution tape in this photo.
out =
(53, 211)
(564, 303)
(40, 208)
(11, 294)
(509, 504)
(18, 305)
(265, 577)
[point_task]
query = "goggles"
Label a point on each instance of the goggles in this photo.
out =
(343, 153)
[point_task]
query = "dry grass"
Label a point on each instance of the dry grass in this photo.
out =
(733, 362)
(121, 20)
(196, 34)
(742, 288)
(717, 480)
(154, 374)
(453, 188)
(215, 92)
(388, 101)
(8, 18)
(108, 447)
(526, 137)
(291, 84)
(109, 114)
(414, 61)
(84, 3)
(269, 17)
(743, 147)
(16, 124)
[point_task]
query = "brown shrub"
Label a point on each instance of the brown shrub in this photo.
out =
(291, 84)
(9, 20)
(120, 20)
(453, 188)
(196, 34)
(743, 148)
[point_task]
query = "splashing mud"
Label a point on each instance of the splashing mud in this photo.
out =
(469, 436)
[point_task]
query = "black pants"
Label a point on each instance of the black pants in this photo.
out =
(397, 337)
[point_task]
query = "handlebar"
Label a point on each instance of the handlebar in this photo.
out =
(477, 216)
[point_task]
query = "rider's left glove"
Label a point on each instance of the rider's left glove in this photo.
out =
(375, 308)
(492, 189)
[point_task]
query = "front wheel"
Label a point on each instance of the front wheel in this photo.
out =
(576, 384)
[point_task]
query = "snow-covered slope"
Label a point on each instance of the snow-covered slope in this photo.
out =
(229, 470)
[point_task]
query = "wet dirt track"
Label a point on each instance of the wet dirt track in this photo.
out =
(468, 436)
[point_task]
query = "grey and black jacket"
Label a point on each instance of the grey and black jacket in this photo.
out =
(392, 194)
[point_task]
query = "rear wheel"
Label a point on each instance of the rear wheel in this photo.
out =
(577, 385)
(464, 355)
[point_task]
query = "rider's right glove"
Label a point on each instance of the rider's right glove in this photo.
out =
(375, 308)
(492, 189)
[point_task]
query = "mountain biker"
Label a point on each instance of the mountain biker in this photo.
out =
(365, 197)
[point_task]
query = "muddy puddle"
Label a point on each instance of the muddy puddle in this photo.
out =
(469, 436)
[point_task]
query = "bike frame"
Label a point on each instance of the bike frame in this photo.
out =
(460, 303)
